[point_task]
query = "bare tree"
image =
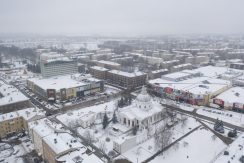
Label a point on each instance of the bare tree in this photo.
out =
(89, 137)
(102, 146)
(162, 137)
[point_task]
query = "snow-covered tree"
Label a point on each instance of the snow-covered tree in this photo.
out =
(89, 137)
(114, 119)
(105, 121)
(162, 137)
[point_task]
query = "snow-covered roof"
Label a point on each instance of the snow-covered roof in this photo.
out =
(233, 95)
(197, 85)
(214, 71)
(79, 155)
(61, 142)
(133, 112)
(109, 63)
(26, 114)
(60, 82)
(10, 94)
(127, 74)
(99, 68)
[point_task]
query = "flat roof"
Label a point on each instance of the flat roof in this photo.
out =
(127, 74)
(99, 68)
(60, 82)
(61, 142)
(25, 113)
(197, 85)
(233, 95)
(10, 94)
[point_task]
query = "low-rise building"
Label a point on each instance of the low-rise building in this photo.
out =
(232, 98)
(65, 87)
(123, 144)
(157, 73)
(195, 90)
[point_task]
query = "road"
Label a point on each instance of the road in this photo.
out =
(195, 115)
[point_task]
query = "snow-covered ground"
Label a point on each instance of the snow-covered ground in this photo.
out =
(75, 115)
(14, 153)
(110, 90)
(198, 147)
(146, 149)
(224, 115)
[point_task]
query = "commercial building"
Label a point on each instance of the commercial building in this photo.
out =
(53, 64)
(125, 79)
(65, 87)
(15, 122)
(231, 99)
(12, 99)
(194, 90)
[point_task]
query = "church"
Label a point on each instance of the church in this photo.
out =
(143, 112)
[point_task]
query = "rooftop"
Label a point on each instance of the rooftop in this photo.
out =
(127, 74)
(10, 94)
(233, 95)
(60, 82)
(26, 114)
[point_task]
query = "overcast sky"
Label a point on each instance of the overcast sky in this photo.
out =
(125, 17)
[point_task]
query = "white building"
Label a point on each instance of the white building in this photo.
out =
(142, 113)
(123, 144)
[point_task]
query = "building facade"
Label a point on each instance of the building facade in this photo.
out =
(59, 65)
(125, 79)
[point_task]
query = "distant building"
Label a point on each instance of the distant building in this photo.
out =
(53, 64)
(108, 64)
(239, 66)
(125, 79)
(181, 67)
(99, 72)
(157, 73)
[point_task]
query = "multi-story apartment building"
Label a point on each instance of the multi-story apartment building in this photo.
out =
(57, 64)
(125, 79)
(12, 99)
(15, 122)
(99, 72)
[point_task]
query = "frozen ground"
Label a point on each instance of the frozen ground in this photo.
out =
(198, 147)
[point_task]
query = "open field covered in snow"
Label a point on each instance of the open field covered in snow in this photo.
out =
(198, 147)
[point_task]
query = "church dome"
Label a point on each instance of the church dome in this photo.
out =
(143, 100)
(143, 96)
